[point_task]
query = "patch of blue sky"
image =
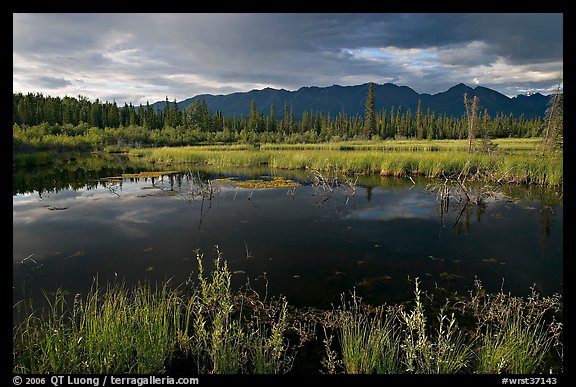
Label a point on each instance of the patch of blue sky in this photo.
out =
(419, 63)
(427, 55)
(413, 205)
(376, 53)
(413, 56)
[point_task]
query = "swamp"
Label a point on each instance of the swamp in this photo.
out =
(306, 253)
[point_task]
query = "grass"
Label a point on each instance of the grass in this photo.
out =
(370, 343)
(202, 327)
(143, 329)
(518, 161)
(446, 352)
(140, 175)
(513, 334)
(516, 348)
(111, 331)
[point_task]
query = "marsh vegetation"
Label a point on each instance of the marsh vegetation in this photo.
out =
(212, 322)
(203, 327)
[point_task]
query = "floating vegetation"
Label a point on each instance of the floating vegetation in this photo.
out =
(205, 328)
(371, 281)
(274, 182)
(226, 180)
(139, 175)
(111, 179)
(337, 277)
(450, 276)
(160, 193)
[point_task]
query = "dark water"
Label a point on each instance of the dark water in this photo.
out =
(307, 243)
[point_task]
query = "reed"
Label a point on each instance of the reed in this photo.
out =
(139, 330)
(149, 329)
(446, 352)
(516, 161)
(516, 336)
(515, 348)
(369, 343)
(117, 330)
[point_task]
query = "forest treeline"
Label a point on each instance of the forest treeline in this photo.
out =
(58, 124)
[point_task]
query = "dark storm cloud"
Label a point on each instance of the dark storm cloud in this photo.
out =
(141, 57)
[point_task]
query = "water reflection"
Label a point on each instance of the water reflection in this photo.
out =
(309, 243)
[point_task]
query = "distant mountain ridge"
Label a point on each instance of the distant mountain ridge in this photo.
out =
(351, 100)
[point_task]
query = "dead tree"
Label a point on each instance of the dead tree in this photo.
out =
(472, 118)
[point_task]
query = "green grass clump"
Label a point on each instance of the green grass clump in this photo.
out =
(140, 330)
(513, 334)
(504, 334)
(446, 352)
(515, 348)
(518, 161)
(203, 327)
(369, 343)
(220, 340)
(113, 331)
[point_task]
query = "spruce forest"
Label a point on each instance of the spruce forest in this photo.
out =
(62, 124)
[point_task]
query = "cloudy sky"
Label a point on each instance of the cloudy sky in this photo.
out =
(135, 58)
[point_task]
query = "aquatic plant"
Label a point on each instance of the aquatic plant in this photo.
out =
(203, 326)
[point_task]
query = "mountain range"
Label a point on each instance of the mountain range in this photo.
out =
(351, 100)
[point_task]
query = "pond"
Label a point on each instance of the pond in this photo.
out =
(310, 239)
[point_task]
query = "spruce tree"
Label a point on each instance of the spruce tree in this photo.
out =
(370, 113)
(253, 117)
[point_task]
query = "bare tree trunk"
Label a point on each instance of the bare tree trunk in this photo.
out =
(472, 116)
(553, 122)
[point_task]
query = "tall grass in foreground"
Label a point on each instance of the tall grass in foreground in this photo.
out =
(113, 331)
(510, 336)
(446, 353)
(139, 330)
(516, 348)
(208, 328)
(398, 341)
(221, 339)
(369, 343)
(513, 334)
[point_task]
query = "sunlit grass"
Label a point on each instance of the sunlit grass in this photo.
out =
(262, 183)
(516, 348)
(445, 352)
(139, 330)
(517, 161)
(115, 330)
(369, 343)
(142, 175)
(147, 329)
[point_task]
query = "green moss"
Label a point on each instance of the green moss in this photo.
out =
(140, 175)
(275, 182)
